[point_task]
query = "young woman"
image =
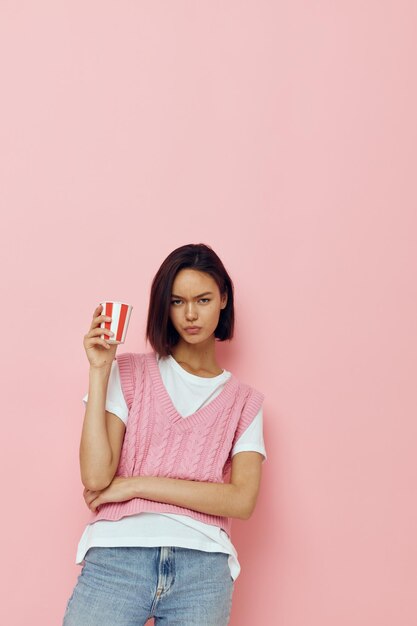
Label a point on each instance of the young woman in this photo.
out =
(171, 451)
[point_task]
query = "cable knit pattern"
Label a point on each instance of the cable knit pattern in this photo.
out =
(160, 442)
(127, 374)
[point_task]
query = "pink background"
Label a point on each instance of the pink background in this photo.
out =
(283, 134)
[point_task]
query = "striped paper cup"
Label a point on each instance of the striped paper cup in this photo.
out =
(120, 314)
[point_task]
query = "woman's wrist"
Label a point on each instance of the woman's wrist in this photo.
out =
(134, 486)
(100, 373)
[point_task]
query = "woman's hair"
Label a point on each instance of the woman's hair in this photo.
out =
(197, 256)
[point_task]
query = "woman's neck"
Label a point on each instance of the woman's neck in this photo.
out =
(199, 360)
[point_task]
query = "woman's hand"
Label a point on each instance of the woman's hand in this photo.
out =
(119, 490)
(99, 352)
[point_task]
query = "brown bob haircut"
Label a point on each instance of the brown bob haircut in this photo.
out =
(160, 331)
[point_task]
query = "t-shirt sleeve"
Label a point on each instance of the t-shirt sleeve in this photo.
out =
(115, 401)
(252, 438)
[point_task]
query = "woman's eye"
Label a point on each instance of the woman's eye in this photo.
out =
(201, 299)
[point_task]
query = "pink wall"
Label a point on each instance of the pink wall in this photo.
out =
(283, 135)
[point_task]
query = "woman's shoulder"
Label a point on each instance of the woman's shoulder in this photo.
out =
(250, 390)
(253, 399)
(124, 357)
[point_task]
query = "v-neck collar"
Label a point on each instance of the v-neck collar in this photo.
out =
(198, 416)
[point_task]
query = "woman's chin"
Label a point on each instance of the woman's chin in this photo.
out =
(194, 339)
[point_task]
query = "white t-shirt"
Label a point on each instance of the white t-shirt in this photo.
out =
(188, 394)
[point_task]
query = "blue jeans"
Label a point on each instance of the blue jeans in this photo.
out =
(125, 586)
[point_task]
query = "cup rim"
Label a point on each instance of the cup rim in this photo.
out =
(116, 302)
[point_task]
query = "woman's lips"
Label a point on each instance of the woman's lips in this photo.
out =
(192, 330)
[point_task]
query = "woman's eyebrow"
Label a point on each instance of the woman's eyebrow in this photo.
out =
(206, 293)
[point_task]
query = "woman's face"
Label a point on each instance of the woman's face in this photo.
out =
(195, 301)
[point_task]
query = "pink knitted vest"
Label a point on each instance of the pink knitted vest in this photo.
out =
(160, 442)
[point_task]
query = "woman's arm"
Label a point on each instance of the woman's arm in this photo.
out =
(235, 499)
(97, 458)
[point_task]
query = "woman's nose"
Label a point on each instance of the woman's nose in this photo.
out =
(190, 313)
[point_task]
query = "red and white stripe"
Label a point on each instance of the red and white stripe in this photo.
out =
(120, 314)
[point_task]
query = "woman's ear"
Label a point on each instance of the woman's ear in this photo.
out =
(223, 300)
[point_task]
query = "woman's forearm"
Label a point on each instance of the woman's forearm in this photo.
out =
(95, 450)
(223, 499)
